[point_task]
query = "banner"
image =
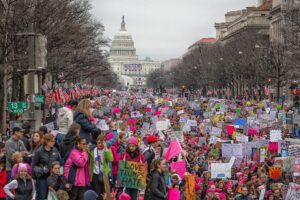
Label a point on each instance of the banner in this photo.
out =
(221, 170)
(293, 192)
(174, 149)
(190, 187)
(132, 174)
(179, 167)
(229, 150)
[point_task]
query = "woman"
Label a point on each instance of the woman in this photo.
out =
(76, 169)
(44, 156)
(133, 153)
(100, 159)
(36, 142)
(69, 141)
(23, 185)
(84, 117)
(158, 188)
(56, 181)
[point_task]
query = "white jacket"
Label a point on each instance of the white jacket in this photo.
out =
(65, 119)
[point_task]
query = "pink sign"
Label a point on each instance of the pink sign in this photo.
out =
(174, 194)
(230, 129)
(179, 167)
(252, 131)
(273, 147)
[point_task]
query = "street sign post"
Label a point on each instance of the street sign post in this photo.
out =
(17, 107)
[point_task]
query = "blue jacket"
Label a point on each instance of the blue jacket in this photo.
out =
(86, 125)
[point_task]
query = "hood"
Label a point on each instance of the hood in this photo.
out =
(63, 111)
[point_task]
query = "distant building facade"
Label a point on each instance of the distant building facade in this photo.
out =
(170, 64)
(124, 61)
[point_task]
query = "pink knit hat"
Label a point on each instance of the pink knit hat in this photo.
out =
(133, 140)
(22, 167)
(124, 196)
(222, 196)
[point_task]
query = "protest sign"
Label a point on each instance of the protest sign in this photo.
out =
(162, 125)
(275, 135)
(192, 122)
(136, 114)
(221, 170)
(179, 167)
(174, 149)
(202, 141)
(296, 168)
(242, 138)
(230, 129)
(262, 153)
(50, 126)
(213, 140)
(252, 131)
(273, 147)
(173, 194)
(132, 174)
(190, 187)
(293, 192)
(180, 112)
(275, 172)
(247, 148)
(240, 122)
(183, 119)
(229, 150)
(294, 150)
(216, 131)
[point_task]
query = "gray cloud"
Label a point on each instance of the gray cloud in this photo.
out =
(164, 29)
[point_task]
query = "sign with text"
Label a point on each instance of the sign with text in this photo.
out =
(132, 174)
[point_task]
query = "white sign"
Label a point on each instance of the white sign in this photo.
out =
(136, 114)
(192, 122)
(275, 135)
(229, 150)
(220, 170)
(179, 112)
(216, 131)
(242, 138)
(161, 125)
(293, 192)
(262, 155)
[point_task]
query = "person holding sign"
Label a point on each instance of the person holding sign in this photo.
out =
(134, 154)
(99, 160)
(158, 187)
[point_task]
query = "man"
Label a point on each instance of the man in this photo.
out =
(65, 116)
(26, 135)
(13, 145)
(245, 194)
(149, 152)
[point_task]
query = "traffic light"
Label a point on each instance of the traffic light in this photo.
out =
(296, 98)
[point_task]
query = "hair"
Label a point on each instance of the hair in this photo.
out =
(78, 140)
(48, 137)
(61, 195)
(72, 129)
(84, 107)
(43, 129)
(122, 135)
(15, 156)
(155, 164)
(35, 145)
(100, 138)
(54, 163)
(137, 150)
(27, 176)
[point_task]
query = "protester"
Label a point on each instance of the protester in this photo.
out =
(84, 117)
(17, 159)
(133, 153)
(65, 117)
(23, 185)
(26, 137)
(100, 159)
(76, 169)
(56, 181)
(3, 178)
(44, 156)
(158, 187)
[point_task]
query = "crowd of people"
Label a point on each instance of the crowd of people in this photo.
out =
(208, 148)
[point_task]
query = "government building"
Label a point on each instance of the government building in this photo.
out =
(124, 61)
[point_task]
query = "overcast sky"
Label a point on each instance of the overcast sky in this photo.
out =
(163, 29)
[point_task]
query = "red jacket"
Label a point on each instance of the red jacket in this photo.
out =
(139, 158)
(3, 182)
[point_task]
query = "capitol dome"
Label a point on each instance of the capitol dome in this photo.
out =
(123, 45)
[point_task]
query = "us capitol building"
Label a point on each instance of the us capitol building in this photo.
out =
(131, 71)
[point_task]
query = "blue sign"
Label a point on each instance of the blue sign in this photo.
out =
(240, 122)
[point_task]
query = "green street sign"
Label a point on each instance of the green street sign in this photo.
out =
(39, 99)
(17, 107)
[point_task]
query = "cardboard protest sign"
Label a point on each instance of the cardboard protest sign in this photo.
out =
(275, 135)
(192, 122)
(229, 150)
(173, 194)
(293, 192)
(162, 125)
(294, 150)
(190, 187)
(180, 112)
(242, 138)
(132, 174)
(221, 170)
(275, 172)
(179, 167)
(216, 131)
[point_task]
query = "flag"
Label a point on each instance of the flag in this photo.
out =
(67, 97)
(74, 93)
(174, 149)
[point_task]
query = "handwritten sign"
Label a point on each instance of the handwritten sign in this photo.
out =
(294, 150)
(275, 135)
(192, 122)
(180, 112)
(275, 172)
(132, 174)
(229, 150)
(216, 131)
(221, 170)
(161, 125)
(242, 138)
(190, 187)
(293, 192)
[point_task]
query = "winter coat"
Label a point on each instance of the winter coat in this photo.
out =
(67, 145)
(57, 182)
(64, 119)
(76, 168)
(42, 160)
(11, 147)
(158, 188)
(86, 125)
(136, 158)
(3, 182)
(116, 156)
(108, 158)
